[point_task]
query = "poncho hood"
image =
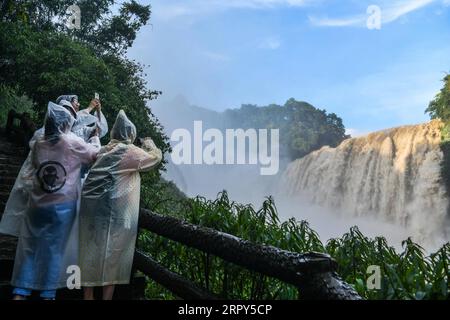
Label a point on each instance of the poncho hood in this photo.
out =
(123, 130)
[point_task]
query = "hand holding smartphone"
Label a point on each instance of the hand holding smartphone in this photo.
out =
(97, 103)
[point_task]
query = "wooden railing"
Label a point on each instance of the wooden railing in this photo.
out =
(314, 274)
(21, 133)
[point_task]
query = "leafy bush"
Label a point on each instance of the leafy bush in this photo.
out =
(10, 100)
(405, 275)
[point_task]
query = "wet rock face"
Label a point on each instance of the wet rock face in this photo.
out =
(393, 175)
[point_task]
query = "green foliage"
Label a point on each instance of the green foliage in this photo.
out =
(119, 32)
(439, 108)
(303, 128)
(405, 275)
(160, 195)
(38, 13)
(102, 30)
(10, 100)
(157, 292)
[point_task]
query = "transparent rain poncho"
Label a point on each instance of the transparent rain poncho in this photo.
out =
(16, 205)
(47, 233)
(110, 206)
(69, 107)
(67, 97)
(86, 124)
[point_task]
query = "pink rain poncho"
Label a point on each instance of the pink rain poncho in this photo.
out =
(109, 208)
(46, 245)
(17, 203)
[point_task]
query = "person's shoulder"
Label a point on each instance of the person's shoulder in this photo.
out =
(135, 149)
(124, 148)
(137, 152)
(39, 133)
(113, 147)
(73, 139)
(127, 148)
(83, 112)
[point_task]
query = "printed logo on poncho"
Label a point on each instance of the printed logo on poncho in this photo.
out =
(52, 176)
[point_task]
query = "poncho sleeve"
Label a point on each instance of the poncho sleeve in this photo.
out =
(142, 159)
(153, 155)
(86, 152)
(102, 126)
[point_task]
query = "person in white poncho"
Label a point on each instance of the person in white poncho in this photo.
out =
(109, 209)
(85, 122)
(45, 249)
(83, 127)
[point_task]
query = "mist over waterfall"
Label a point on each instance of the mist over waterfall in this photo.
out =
(391, 175)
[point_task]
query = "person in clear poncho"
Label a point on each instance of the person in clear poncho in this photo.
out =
(85, 122)
(84, 127)
(109, 209)
(44, 251)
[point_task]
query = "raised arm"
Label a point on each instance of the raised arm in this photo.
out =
(102, 125)
(153, 155)
(141, 159)
(85, 151)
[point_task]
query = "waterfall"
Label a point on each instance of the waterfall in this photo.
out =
(392, 175)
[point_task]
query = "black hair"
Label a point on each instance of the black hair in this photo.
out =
(71, 110)
(51, 130)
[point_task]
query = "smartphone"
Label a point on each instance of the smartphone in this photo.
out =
(96, 96)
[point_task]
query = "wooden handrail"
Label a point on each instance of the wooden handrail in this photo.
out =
(175, 283)
(312, 273)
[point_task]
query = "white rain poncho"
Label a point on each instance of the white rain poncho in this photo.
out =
(85, 122)
(69, 107)
(67, 97)
(110, 206)
(47, 237)
(16, 205)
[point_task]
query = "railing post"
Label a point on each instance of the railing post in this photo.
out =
(10, 123)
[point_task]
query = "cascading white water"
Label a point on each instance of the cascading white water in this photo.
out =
(393, 175)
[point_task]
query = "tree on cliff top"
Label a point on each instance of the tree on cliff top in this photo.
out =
(303, 128)
(439, 107)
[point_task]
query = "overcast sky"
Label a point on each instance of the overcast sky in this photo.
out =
(221, 54)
